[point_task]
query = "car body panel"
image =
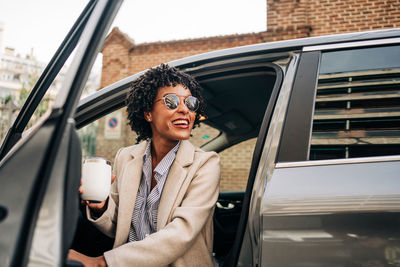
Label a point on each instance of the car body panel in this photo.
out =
(332, 215)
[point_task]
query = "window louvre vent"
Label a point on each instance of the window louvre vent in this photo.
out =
(357, 114)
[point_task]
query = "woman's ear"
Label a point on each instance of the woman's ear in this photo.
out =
(148, 117)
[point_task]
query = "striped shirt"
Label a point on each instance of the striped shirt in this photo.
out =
(144, 218)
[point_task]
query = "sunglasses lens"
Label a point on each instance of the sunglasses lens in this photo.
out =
(171, 101)
(192, 103)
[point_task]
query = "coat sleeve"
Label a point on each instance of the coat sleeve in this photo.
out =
(189, 218)
(106, 223)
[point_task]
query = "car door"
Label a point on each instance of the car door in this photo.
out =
(331, 197)
(40, 168)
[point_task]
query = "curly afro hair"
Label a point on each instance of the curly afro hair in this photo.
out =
(143, 92)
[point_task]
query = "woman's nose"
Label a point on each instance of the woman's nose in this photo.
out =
(182, 107)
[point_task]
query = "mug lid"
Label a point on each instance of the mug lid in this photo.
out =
(97, 159)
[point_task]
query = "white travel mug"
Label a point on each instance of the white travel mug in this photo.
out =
(96, 179)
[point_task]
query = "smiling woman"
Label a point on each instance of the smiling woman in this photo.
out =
(171, 186)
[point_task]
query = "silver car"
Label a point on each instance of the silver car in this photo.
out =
(323, 185)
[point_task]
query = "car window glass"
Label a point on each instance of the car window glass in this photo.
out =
(103, 137)
(357, 107)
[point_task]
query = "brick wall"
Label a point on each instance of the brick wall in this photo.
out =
(286, 19)
(323, 17)
(121, 58)
(287, 15)
(341, 16)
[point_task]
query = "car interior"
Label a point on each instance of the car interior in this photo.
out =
(235, 120)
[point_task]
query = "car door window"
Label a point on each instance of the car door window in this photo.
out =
(357, 107)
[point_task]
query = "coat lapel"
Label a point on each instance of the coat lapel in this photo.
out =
(130, 181)
(176, 177)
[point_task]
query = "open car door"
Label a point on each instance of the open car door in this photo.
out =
(40, 169)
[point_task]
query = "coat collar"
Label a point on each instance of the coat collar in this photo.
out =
(184, 156)
(138, 150)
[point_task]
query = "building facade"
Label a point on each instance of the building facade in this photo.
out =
(15, 71)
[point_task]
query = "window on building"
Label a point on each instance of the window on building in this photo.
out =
(357, 108)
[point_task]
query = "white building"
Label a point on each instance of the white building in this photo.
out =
(17, 71)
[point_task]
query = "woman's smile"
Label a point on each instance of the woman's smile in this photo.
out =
(181, 123)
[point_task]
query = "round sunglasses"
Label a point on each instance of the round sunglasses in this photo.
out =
(172, 102)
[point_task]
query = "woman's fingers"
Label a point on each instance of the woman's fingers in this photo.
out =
(95, 206)
(113, 176)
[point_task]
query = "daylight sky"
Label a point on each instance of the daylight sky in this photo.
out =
(42, 24)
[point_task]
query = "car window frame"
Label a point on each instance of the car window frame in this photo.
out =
(297, 130)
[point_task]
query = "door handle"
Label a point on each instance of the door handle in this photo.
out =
(228, 207)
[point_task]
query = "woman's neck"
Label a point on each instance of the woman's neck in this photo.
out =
(159, 149)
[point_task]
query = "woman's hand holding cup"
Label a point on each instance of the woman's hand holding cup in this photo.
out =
(96, 206)
(96, 183)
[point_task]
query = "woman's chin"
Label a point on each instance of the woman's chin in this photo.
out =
(181, 138)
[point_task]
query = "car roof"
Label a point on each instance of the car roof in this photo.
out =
(291, 44)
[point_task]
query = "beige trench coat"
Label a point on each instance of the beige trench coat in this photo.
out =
(184, 234)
